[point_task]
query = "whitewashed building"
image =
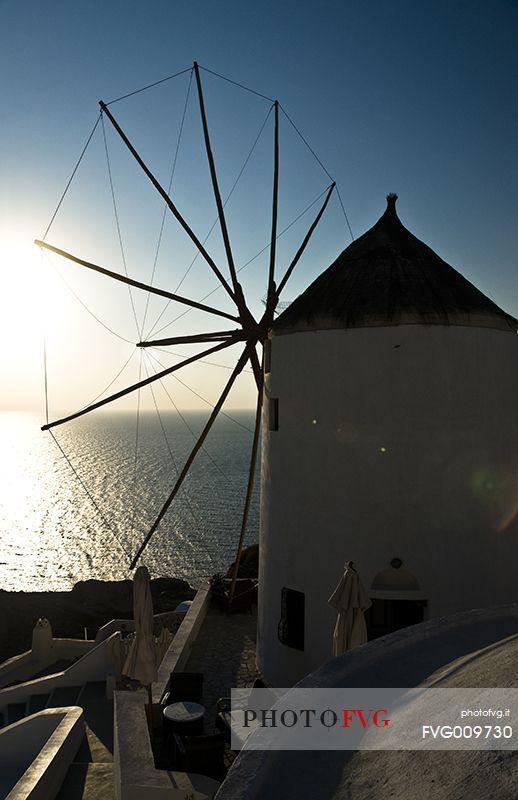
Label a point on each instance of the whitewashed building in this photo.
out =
(390, 437)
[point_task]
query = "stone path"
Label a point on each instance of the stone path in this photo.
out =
(224, 652)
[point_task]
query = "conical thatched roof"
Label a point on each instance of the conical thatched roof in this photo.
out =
(389, 277)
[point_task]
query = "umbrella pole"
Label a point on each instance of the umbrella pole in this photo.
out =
(150, 715)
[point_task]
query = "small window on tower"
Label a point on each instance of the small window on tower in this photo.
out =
(267, 356)
(273, 414)
(291, 623)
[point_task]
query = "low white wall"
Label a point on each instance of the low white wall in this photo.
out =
(114, 625)
(167, 619)
(14, 669)
(71, 648)
(102, 660)
(178, 654)
(35, 753)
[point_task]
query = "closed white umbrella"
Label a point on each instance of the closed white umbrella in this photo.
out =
(141, 663)
(350, 600)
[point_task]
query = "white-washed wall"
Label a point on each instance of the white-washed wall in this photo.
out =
(399, 441)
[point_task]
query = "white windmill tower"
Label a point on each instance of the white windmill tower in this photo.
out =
(390, 437)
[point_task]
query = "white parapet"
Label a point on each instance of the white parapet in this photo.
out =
(96, 665)
(45, 652)
(36, 752)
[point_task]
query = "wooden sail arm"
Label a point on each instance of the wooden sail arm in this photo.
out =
(270, 296)
(168, 201)
(250, 487)
(305, 241)
(196, 338)
(239, 298)
(123, 279)
(139, 385)
(215, 187)
(256, 367)
(237, 369)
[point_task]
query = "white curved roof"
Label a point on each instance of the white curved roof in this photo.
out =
(471, 649)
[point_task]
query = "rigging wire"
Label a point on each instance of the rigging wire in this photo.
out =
(171, 454)
(96, 318)
(81, 302)
(169, 448)
(344, 212)
(110, 383)
(71, 177)
(82, 483)
(135, 458)
(149, 86)
(235, 83)
(319, 161)
(118, 226)
(67, 459)
(45, 370)
(160, 235)
(45, 379)
(230, 482)
(183, 72)
(305, 142)
(175, 463)
(90, 496)
(201, 361)
(231, 192)
(211, 405)
(194, 435)
(245, 163)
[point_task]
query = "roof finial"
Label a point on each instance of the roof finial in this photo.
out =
(391, 201)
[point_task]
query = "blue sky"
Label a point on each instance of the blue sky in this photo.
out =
(417, 98)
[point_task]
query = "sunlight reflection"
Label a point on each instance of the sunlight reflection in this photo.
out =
(510, 504)
(499, 492)
(346, 432)
(51, 534)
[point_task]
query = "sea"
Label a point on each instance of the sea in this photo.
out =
(77, 505)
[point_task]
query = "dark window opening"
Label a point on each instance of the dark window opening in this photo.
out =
(267, 356)
(386, 616)
(274, 414)
(291, 623)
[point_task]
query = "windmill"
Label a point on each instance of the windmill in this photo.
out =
(246, 329)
